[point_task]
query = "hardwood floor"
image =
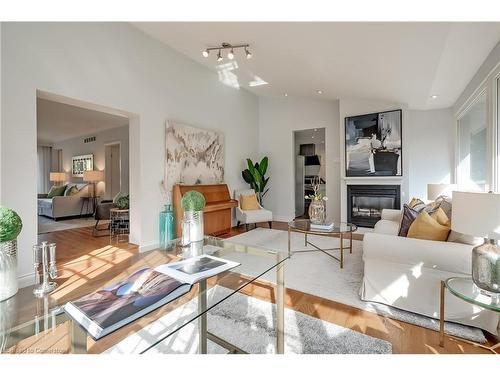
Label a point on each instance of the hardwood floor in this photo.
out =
(77, 246)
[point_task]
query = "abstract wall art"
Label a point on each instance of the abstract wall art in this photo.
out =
(373, 144)
(193, 155)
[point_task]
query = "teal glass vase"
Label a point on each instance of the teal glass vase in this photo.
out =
(167, 228)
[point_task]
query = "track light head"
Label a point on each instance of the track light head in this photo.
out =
(219, 57)
(248, 54)
(230, 55)
(205, 53)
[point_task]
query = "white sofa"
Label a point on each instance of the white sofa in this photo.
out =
(251, 216)
(406, 273)
(62, 206)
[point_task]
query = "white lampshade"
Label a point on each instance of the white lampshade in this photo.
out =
(93, 176)
(477, 214)
(434, 191)
(57, 176)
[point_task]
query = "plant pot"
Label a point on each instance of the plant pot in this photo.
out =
(317, 212)
(8, 269)
(192, 227)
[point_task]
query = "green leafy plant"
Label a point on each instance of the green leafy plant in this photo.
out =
(255, 176)
(10, 224)
(193, 201)
(123, 202)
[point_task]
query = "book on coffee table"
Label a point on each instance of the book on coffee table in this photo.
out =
(326, 227)
(112, 307)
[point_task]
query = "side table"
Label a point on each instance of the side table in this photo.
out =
(465, 289)
(119, 226)
(89, 203)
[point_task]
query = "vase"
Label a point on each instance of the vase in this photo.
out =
(8, 269)
(317, 212)
(167, 228)
(486, 266)
(192, 227)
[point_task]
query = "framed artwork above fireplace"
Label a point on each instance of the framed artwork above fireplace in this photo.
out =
(373, 144)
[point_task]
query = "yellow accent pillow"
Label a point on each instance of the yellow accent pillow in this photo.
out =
(425, 227)
(441, 217)
(249, 202)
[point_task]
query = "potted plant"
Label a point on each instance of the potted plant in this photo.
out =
(255, 176)
(10, 227)
(193, 203)
(317, 210)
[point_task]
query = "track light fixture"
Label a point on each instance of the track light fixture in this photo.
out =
(231, 49)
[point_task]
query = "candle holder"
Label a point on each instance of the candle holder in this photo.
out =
(44, 263)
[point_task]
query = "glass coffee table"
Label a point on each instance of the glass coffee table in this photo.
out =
(39, 325)
(341, 230)
(465, 289)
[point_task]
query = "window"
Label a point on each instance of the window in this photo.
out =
(473, 146)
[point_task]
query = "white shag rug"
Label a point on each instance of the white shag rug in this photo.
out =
(249, 323)
(317, 274)
(47, 225)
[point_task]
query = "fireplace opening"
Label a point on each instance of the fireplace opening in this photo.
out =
(366, 202)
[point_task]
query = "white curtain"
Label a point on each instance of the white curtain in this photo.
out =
(44, 154)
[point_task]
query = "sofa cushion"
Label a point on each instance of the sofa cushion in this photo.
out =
(408, 217)
(425, 227)
(386, 227)
(45, 203)
(71, 190)
(56, 191)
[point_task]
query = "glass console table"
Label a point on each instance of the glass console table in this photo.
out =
(465, 289)
(33, 325)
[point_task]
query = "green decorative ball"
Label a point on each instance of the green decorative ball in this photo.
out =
(193, 201)
(10, 224)
(123, 203)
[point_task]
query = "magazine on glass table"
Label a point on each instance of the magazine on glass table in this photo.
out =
(109, 309)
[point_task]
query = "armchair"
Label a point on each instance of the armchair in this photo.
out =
(251, 216)
(102, 212)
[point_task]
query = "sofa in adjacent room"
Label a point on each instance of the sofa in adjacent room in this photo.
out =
(406, 273)
(63, 206)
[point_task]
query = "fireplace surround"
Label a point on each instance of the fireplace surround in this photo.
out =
(366, 202)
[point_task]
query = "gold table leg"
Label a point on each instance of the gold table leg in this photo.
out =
(441, 315)
(280, 309)
(350, 244)
(202, 320)
(305, 239)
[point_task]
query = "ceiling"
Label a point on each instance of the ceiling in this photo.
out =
(57, 121)
(395, 62)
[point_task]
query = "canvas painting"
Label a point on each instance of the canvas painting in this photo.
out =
(193, 156)
(373, 144)
(82, 163)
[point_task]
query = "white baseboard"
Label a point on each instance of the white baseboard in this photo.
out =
(26, 280)
(148, 247)
(285, 219)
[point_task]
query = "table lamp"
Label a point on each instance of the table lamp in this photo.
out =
(93, 177)
(434, 191)
(57, 177)
(478, 214)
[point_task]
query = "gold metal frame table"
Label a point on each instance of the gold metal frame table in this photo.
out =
(339, 230)
(465, 289)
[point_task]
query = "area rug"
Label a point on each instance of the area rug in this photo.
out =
(47, 225)
(249, 323)
(317, 274)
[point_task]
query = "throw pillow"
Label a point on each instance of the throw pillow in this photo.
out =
(71, 190)
(409, 215)
(440, 216)
(416, 204)
(466, 239)
(56, 191)
(249, 202)
(117, 196)
(445, 203)
(426, 227)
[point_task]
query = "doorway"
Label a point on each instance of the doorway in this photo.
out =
(310, 167)
(112, 169)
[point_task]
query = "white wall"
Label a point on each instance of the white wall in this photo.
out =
(278, 119)
(430, 149)
(117, 66)
(76, 146)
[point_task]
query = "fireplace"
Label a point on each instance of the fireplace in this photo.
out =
(366, 202)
